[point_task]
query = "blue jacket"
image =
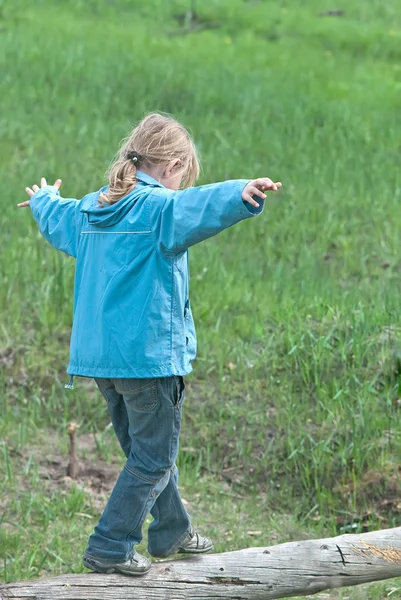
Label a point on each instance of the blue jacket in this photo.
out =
(132, 316)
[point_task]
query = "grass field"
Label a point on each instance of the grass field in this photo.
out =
(292, 424)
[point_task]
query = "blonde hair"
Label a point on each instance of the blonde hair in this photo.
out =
(156, 141)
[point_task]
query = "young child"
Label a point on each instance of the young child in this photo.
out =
(133, 329)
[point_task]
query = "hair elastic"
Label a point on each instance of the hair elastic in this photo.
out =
(135, 157)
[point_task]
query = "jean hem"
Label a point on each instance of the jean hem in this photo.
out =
(173, 548)
(103, 561)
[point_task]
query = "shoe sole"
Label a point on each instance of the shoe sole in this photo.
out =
(179, 551)
(109, 570)
(199, 551)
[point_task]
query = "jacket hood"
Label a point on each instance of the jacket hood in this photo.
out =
(109, 215)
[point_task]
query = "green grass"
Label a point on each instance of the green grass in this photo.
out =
(292, 422)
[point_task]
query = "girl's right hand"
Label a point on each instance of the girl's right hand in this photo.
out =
(35, 188)
(257, 187)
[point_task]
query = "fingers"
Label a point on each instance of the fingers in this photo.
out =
(260, 185)
(35, 188)
(254, 191)
(264, 183)
(248, 198)
(257, 187)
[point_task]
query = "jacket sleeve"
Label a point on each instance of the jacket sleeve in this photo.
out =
(183, 218)
(58, 219)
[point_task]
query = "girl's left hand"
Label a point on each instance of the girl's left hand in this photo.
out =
(257, 187)
(35, 188)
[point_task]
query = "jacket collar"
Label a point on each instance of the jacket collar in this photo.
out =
(145, 178)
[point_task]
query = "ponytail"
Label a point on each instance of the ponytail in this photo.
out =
(157, 140)
(122, 180)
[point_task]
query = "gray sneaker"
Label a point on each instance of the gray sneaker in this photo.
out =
(136, 565)
(195, 544)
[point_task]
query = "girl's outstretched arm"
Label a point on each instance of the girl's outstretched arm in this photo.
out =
(180, 219)
(56, 216)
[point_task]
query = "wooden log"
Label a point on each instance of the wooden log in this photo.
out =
(285, 570)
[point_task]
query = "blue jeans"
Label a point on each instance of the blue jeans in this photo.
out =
(146, 416)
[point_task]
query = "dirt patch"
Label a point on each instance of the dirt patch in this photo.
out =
(380, 492)
(95, 476)
(96, 479)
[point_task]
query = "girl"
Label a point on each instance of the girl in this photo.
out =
(133, 329)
